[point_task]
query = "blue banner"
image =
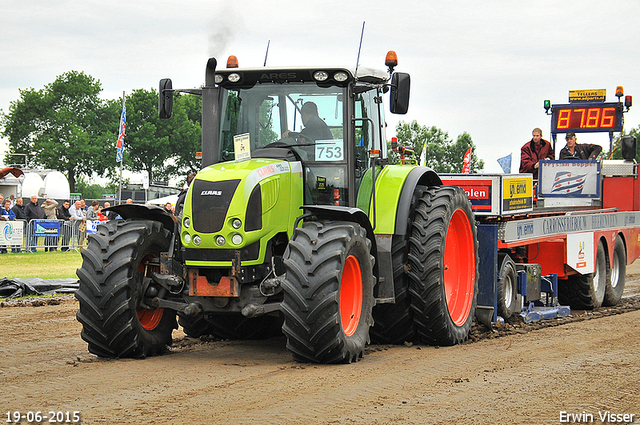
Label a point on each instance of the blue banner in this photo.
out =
(46, 228)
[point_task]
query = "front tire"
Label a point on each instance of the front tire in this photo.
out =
(115, 263)
(443, 259)
(328, 292)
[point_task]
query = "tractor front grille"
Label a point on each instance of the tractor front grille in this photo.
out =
(210, 202)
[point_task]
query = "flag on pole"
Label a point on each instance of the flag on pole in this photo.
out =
(423, 155)
(466, 162)
(505, 163)
(121, 134)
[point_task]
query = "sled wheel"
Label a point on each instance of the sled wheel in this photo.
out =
(113, 277)
(328, 292)
(506, 289)
(615, 283)
(443, 258)
(586, 292)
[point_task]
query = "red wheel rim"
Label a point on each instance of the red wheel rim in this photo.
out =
(149, 319)
(459, 267)
(351, 295)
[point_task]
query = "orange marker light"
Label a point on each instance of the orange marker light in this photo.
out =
(232, 62)
(619, 91)
(198, 155)
(391, 60)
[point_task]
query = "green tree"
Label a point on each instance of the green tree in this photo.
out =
(617, 150)
(162, 148)
(62, 127)
(92, 190)
(443, 155)
(185, 131)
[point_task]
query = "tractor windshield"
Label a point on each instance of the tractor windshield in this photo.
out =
(305, 116)
(311, 120)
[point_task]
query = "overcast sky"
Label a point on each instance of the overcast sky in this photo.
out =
(484, 67)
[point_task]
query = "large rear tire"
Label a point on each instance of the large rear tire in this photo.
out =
(393, 323)
(443, 259)
(615, 283)
(328, 292)
(117, 259)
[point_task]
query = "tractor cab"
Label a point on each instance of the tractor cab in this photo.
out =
(330, 119)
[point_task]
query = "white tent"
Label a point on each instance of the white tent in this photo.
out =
(161, 201)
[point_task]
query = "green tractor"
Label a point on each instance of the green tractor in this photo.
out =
(296, 224)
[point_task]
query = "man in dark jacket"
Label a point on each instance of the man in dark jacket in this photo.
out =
(579, 151)
(18, 210)
(66, 225)
(533, 152)
(33, 212)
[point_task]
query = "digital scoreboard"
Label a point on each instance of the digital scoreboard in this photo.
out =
(586, 117)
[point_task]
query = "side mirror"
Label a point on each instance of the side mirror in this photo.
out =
(165, 98)
(399, 96)
(628, 147)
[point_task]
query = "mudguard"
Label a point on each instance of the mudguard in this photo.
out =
(395, 186)
(145, 212)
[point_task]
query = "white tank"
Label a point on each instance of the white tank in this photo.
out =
(31, 185)
(56, 186)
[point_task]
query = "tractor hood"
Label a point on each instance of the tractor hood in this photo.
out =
(231, 205)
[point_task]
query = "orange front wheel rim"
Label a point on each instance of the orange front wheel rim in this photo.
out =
(351, 295)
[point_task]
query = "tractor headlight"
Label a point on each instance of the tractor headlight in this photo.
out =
(197, 240)
(187, 239)
(236, 223)
(320, 75)
(220, 240)
(341, 76)
(187, 222)
(236, 239)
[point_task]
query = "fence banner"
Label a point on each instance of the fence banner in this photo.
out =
(46, 228)
(11, 232)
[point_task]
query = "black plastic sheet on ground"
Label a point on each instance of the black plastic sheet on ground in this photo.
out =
(13, 288)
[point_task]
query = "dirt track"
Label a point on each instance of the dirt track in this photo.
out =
(529, 375)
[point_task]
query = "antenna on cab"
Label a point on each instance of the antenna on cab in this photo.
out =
(266, 53)
(359, 49)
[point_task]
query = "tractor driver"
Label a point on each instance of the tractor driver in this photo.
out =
(314, 127)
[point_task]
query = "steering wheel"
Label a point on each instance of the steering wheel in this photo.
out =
(298, 138)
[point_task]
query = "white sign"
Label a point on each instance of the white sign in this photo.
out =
(580, 252)
(242, 147)
(92, 226)
(145, 181)
(570, 179)
(11, 232)
(329, 150)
